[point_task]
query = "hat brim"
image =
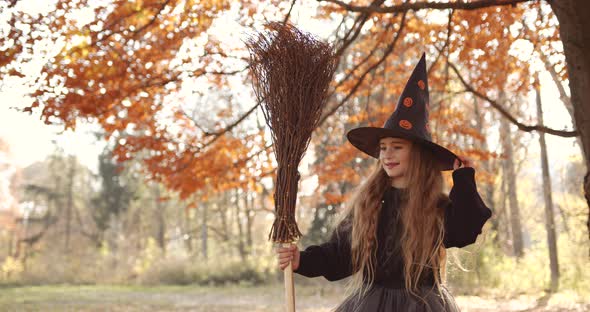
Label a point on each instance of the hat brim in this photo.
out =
(366, 139)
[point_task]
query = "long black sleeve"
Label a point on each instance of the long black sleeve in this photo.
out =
(466, 213)
(331, 259)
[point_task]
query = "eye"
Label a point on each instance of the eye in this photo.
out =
(382, 148)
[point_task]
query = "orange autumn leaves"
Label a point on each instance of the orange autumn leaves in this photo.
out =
(478, 42)
(120, 69)
(124, 70)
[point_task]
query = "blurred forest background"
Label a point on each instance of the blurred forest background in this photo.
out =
(182, 193)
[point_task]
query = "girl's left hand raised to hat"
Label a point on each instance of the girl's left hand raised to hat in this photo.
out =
(462, 162)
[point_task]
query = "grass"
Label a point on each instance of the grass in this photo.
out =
(311, 298)
(161, 298)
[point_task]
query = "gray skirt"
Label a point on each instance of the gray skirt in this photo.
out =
(382, 299)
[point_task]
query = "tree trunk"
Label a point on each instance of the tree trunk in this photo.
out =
(204, 233)
(11, 243)
(223, 216)
(503, 214)
(549, 218)
(70, 201)
(160, 218)
(574, 22)
(58, 193)
(510, 176)
(240, 237)
(116, 231)
(489, 187)
(249, 221)
(184, 218)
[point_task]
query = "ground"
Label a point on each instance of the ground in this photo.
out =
(235, 298)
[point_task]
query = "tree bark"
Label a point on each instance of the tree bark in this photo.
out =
(70, 201)
(574, 22)
(510, 176)
(239, 225)
(249, 221)
(489, 187)
(160, 218)
(185, 218)
(204, 232)
(549, 218)
(503, 213)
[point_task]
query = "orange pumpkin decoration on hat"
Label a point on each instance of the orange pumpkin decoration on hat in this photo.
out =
(405, 124)
(421, 84)
(408, 102)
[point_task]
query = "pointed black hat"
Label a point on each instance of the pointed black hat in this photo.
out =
(408, 121)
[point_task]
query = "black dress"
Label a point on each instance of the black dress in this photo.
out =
(465, 215)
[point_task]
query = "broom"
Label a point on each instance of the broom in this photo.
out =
(291, 73)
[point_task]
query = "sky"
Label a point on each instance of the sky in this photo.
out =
(31, 140)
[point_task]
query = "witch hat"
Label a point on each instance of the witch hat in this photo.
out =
(408, 121)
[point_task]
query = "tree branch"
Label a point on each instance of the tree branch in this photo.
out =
(286, 19)
(562, 94)
(356, 28)
(363, 61)
(386, 53)
(218, 134)
(416, 6)
(507, 115)
(152, 20)
(446, 45)
(48, 220)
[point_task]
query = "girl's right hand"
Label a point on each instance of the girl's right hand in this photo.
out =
(288, 254)
(462, 162)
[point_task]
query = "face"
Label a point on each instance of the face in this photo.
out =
(394, 154)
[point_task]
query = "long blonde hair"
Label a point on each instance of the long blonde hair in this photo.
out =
(422, 246)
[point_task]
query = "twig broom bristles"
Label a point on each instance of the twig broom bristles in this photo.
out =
(291, 73)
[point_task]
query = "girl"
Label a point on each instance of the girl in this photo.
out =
(395, 229)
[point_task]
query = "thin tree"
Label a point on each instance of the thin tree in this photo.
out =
(510, 176)
(549, 218)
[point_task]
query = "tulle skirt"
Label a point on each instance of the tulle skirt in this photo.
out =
(382, 299)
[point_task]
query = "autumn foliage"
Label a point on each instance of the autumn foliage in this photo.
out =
(130, 66)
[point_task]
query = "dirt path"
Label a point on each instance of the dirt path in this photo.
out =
(232, 299)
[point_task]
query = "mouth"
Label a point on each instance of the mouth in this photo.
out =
(391, 165)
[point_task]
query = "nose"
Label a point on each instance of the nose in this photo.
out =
(387, 155)
(387, 151)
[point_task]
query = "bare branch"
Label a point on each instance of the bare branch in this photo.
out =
(152, 20)
(416, 6)
(286, 19)
(386, 53)
(363, 61)
(355, 31)
(507, 115)
(231, 126)
(221, 234)
(48, 220)
(562, 94)
(217, 134)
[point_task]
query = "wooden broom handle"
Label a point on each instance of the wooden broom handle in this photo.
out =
(289, 287)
